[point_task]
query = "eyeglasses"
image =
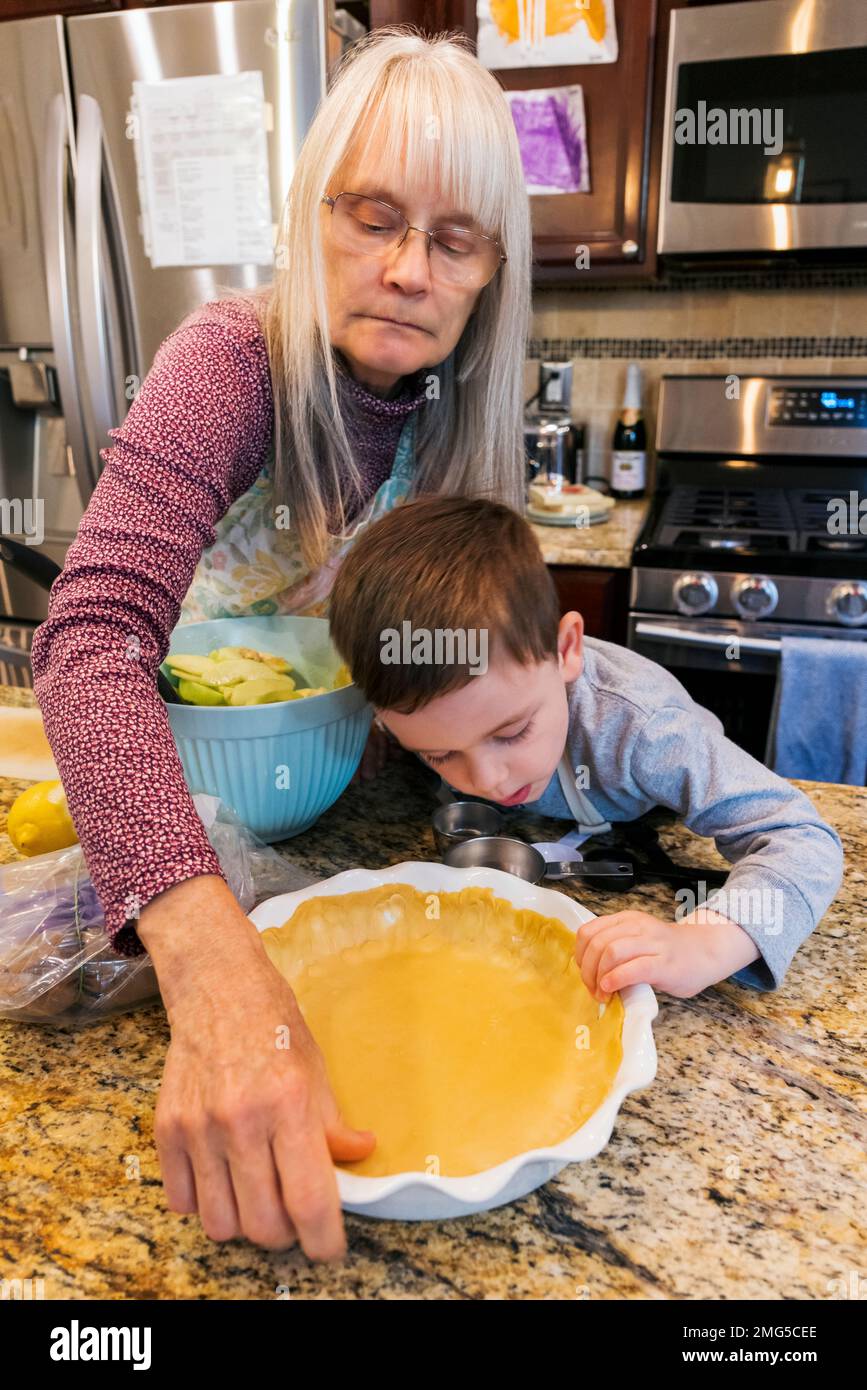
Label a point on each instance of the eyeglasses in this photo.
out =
(369, 227)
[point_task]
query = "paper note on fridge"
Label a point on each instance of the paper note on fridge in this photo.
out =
(202, 160)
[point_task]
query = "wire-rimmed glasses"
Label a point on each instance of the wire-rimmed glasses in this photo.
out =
(369, 227)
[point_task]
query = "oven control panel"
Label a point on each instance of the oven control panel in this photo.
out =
(819, 407)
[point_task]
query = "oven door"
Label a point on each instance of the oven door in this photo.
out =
(763, 147)
(726, 665)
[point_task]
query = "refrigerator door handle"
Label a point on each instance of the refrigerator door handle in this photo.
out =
(54, 208)
(110, 355)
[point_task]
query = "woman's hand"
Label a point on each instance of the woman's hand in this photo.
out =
(246, 1124)
(682, 958)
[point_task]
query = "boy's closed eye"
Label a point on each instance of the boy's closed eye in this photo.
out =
(499, 738)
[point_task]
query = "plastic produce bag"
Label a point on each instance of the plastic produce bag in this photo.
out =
(57, 964)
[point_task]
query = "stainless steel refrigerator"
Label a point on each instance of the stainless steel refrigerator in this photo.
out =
(103, 235)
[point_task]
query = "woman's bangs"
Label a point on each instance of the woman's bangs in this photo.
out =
(425, 132)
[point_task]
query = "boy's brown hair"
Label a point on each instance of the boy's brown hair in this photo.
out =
(441, 564)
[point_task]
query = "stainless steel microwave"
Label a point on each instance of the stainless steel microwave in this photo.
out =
(765, 140)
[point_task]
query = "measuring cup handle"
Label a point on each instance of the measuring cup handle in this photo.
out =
(616, 871)
(557, 869)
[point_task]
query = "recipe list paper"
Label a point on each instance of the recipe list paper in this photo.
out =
(202, 160)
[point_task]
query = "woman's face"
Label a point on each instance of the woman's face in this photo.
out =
(364, 291)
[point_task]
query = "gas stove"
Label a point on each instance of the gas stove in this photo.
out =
(757, 531)
(758, 514)
(755, 521)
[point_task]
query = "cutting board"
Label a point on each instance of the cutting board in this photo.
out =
(24, 750)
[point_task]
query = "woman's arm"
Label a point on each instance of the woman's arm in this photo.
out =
(193, 441)
(246, 1127)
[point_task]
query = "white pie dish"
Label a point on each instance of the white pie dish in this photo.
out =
(421, 1196)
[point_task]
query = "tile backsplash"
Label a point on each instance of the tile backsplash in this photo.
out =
(698, 328)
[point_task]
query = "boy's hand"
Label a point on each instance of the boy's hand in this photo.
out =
(682, 958)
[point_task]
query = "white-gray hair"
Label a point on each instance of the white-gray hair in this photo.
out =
(404, 85)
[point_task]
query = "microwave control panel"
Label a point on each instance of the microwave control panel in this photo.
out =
(819, 407)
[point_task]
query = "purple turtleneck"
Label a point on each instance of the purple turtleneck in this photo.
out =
(375, 423)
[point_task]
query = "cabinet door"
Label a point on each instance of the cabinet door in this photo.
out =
(31, 9)
(624, 103)
(601, 596)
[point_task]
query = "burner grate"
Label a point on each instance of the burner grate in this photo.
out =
(730, 509)
(812, 511)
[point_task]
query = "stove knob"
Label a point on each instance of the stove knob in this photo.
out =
(755, 596)
(847, 603)
(695, 593)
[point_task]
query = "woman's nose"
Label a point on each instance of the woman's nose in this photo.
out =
(408, 265)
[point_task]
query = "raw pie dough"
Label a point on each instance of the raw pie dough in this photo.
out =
(454, 1037)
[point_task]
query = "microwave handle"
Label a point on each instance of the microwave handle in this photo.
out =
(658, 632)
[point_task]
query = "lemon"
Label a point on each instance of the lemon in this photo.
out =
(39, 820)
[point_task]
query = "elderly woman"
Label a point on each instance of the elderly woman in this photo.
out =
(385, 359)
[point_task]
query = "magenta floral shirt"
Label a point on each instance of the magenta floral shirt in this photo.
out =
(192, 448)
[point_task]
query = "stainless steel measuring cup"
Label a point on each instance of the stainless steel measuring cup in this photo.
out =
(465, 820)
(522, 860)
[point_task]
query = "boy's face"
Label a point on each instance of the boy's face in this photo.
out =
(501, 735)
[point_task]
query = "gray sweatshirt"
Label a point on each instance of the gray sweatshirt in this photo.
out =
(637, 739)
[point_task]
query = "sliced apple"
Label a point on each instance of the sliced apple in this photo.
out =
(184, 664)
(265, 691)
(276, 663)
(197, 694)
(241, 669)
(230, 653)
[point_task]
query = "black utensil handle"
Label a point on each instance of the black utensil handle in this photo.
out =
(167, 690)
(31, 563)
(590, 869)
(681, 876)
(43, 571)
(651, 862)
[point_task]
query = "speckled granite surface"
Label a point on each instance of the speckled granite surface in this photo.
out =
(740, 1173)
(608, 544)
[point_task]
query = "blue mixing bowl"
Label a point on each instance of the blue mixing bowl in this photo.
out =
(278, 766)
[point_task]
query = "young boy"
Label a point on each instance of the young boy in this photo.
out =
(449, 622)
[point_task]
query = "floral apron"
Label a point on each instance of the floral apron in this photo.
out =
(256, 568)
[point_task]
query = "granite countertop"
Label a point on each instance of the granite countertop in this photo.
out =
(739, 1173)
(608, 544)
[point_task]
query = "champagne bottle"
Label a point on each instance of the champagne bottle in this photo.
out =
(629, 447)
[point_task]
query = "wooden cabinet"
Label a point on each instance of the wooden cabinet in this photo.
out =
(32, 9)
(601, 596)
(624, 104)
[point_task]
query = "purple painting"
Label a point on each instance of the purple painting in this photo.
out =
(553, 139)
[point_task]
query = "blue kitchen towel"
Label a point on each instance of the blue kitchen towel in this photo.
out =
(819, 721)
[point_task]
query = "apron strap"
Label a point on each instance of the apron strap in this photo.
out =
(587, 818)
